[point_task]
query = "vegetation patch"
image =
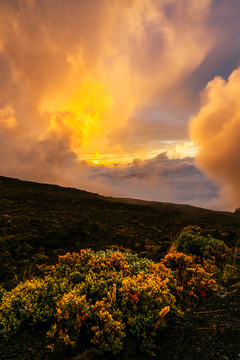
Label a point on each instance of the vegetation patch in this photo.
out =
(99, 298)
(38, 222)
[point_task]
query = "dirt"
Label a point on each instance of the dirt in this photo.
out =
(211, 331)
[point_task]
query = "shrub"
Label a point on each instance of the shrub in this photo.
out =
(71, 313)
(99, 297)
(145, 299)
(2, 292)
(108, 329)
(194, 280)
(28, 303)
(191, 241)
(123, 294)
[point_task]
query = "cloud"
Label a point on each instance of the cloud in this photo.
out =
(7, 118)
(48, 160)
(159, 179)
(216, 131)
(52, 59)
(117, 79)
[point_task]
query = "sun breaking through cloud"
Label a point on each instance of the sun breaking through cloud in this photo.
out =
(97, 84)
(109, 61)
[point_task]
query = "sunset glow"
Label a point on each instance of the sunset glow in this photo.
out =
(84, 118)
(127, 98)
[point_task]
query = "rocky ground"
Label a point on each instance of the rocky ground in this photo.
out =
(211, 331)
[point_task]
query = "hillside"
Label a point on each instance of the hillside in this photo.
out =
(40, 221)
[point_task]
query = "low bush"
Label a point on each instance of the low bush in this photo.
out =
(31, 302)
(193, 280)
(100, 297)
(192, 241)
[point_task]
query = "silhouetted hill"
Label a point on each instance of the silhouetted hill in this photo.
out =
(39, 221)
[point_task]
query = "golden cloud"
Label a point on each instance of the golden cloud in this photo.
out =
(216, 131)
(7, 118)
(83, 68)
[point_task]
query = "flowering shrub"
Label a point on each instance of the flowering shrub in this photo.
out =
(193, 279)
(123, 294)
(145, 299)
(100, 297)
(108, 329)
(191, 241)
(72, 311)
(2, 291)
(27, 304)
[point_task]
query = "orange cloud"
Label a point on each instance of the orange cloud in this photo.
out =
(216, 131)
(94, 80)
(118, 53)
(7, 118)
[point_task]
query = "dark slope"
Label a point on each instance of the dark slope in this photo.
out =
(39, 221)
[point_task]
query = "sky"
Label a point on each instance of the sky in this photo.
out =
(126, 98)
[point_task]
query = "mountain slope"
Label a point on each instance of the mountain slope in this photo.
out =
(39, 221)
